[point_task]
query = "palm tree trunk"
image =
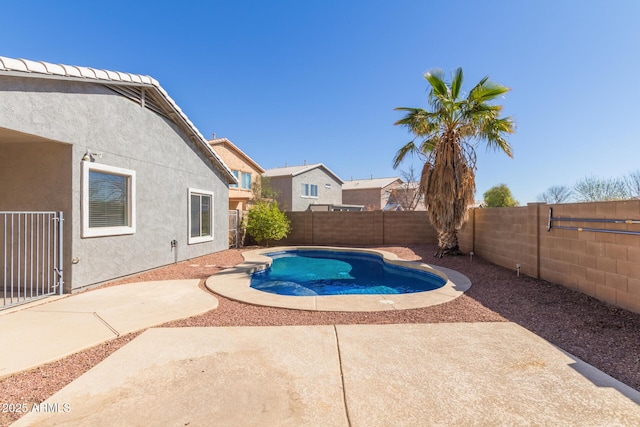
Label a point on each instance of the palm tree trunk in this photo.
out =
(448, 244)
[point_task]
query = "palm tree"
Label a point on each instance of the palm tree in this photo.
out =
(446, 138)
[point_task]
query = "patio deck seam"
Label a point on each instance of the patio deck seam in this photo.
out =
(111, 328)
(344, 390)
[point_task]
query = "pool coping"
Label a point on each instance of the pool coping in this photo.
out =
(234, 283)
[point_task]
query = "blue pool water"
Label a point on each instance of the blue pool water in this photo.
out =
(323, 272)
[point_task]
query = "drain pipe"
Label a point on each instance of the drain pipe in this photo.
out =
(174, 245)
(518, 269)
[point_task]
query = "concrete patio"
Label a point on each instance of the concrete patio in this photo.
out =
(344, 375)
(50, 329)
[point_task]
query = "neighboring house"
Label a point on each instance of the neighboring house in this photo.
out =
(372, 193)
(405, 197)
(247, 172)
(138, 185)
(244, 168)
(298, 187)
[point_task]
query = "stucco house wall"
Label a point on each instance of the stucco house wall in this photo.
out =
(329, 189)
(369, 197)
(282, 186)
(287, 182)
(59, 121)
(237, 160)
(373, 193)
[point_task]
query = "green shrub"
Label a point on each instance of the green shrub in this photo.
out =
(265, 222)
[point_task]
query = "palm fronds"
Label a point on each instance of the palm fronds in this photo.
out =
(446, 135)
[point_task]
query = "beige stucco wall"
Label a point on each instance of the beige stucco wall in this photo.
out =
(372, 198)
(238, 197)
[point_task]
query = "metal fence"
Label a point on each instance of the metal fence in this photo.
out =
(30, 256)
(233, 229)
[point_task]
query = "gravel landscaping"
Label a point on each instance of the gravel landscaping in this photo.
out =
(598, 333)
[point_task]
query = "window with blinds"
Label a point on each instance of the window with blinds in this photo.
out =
(108, 200)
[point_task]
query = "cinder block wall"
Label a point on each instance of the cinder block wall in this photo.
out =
(603, 265)
(507, 237)
(600, 264)
(412, 227)
(359, 228)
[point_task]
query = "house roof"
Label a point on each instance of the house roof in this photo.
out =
(238, 151)
(297, 170)
(362, 184)
(142, 89)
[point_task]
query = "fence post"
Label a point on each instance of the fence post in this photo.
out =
(60, 268)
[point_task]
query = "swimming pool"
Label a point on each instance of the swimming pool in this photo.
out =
(235, 283)
(326, 272)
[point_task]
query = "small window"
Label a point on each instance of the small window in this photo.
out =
(309, 190)
(200, 216)
(108, 200)
(237, 175)
(246, 181)
(327, 186)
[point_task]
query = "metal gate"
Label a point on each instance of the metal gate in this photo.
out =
(30, 256)
(233, 229)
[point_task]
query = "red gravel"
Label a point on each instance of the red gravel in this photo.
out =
(598, 333)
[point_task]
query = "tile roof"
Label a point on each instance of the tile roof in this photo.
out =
(111, 79)
(297, 170)
(359, 184)
(234, 147)
(71, 71)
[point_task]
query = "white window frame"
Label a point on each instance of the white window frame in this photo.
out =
(237, 175)
(199, 239)
(305, 191)
(243, 175)
(130, 175)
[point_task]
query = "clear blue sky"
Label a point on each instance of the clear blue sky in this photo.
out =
(290, 81)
